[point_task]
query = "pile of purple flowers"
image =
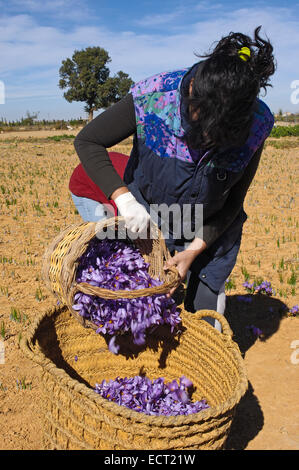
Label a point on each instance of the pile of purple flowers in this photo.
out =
(151, 397)
(264, 287)
(114, 265)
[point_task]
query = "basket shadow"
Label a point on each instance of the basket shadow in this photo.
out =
(243, 312)
(49, 344)
(159, 339)
(248, 421)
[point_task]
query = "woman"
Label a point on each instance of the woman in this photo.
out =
(198, 138)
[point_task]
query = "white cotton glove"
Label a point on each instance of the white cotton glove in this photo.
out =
(135, 215)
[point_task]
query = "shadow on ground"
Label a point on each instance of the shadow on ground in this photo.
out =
(247, 422)
(244, 313)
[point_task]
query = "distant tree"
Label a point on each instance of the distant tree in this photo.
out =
(87, 78)
(29, 119)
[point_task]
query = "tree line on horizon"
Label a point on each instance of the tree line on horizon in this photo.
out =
(30, 122)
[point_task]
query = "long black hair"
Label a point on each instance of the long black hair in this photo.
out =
(225, 88)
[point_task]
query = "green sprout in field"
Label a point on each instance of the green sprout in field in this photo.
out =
(39, 295)
(230, 284)
(245, 274)
(4, 291)
(2, 330)
(17, 316)
(2, 388)
(292, 280)
(23, 384)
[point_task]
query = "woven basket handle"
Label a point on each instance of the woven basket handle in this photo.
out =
(173, 280)
(226, 330)
(171, 276)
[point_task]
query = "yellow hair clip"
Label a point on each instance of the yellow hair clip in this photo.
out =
(244, 53)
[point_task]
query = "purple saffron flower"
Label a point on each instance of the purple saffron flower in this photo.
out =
(112, 346)
(255, 330)
(244, 298)
(247, 285)
(294, 310)
(150, 397)
(185, 382)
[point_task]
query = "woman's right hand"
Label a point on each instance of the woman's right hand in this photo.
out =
(136, 217)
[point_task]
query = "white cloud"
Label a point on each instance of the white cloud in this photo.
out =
(68, 10)
(159, 19)
(180, 13)
(204, 6)
(41, 6)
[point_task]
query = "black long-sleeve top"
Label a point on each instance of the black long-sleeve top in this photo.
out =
(118, 123)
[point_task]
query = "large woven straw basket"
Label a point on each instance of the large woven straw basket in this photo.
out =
(61, 259)
(73, 359)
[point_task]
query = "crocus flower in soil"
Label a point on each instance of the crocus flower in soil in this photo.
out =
(255, 330)
(248, 285)
(114, 265)
(294, 310)
(264, 287)
(244, 298)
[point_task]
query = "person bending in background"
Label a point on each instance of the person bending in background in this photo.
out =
(198, 138)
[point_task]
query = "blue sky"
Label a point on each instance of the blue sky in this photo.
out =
(142, 38)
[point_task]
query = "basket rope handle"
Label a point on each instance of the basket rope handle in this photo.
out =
(226, 330)
(173, 281)
(173, 278)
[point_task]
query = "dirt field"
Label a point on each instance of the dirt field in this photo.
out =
(35, 205)
(36, 134)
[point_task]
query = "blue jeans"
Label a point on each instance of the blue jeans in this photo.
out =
(90, 210)
(199, 296)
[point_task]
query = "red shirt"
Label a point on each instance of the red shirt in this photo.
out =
(81, 185)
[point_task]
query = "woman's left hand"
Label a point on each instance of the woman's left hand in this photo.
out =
(184, 259)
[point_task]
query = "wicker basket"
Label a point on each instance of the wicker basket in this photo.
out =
(60, 263)
(73, 359)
